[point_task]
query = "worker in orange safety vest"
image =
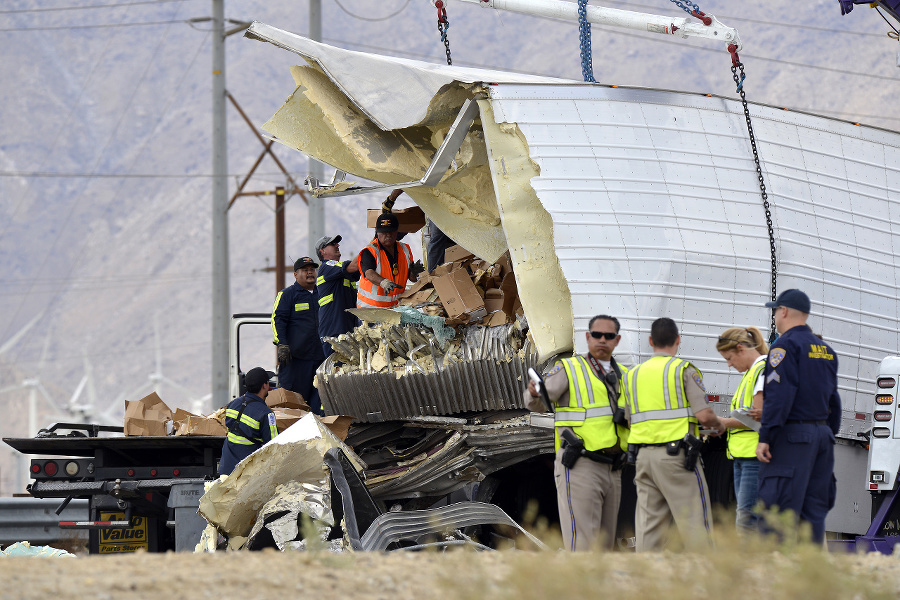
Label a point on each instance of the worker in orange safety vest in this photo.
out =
(385, 266)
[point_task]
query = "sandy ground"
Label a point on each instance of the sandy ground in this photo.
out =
(516, 575)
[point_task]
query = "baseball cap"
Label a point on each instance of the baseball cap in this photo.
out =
(327, 241)
(386, 223)
(257, 376)
(305, 262)
(791, 299)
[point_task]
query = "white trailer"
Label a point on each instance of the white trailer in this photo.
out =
(639, 203)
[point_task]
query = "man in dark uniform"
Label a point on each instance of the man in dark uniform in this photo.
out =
(801, 415)
(295, 323)
(250, 422)
(336, 286)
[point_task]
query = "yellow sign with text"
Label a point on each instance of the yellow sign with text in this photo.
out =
(114, 541)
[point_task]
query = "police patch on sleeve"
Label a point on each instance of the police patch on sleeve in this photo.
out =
(699, 381)
(776, 355)
(271, 419)
(554, 370)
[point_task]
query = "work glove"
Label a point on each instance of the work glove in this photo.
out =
(284, 354)
(417, 268)
(387, 285)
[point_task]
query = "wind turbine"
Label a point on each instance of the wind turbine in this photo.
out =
(35, 389)
(154, 383)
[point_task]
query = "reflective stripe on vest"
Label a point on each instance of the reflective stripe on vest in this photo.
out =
(742, 442)
(368, 294)
(301, 306)
(589, 412)
(239, 439)
(274, 308)
(658, 402)
(326, 299)
(249, 422)
(320, 280)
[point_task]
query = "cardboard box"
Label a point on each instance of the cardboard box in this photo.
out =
(495, 319)
(418, 286)
(459, 296)
(190, 424)
(147, 416)
(410, 219)
(418, 298)
(285, 417)
(510, 291)
(338, 424)
(456, 254)
(283, 398)
(505, 264)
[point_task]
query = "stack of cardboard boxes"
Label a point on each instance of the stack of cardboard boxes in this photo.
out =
(467, 290)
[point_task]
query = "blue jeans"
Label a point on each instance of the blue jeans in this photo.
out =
(746, 471)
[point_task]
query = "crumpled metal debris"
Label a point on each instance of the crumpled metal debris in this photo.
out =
(297, 498)
(236, 503)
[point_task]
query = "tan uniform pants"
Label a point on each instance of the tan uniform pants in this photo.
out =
(666, 492)
(588, 496)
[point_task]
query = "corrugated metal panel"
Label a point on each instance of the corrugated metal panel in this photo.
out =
(657, 212)
(472, 385)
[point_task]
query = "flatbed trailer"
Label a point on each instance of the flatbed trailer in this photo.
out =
(143, 491)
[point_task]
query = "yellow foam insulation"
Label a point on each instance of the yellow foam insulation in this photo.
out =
(319, 120)
(528, 226)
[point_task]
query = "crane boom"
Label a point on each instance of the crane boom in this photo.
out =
(678, 26)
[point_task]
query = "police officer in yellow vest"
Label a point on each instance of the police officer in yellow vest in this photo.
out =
(586, 394)
(665, 401)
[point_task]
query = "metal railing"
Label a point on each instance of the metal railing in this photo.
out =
(35, 520)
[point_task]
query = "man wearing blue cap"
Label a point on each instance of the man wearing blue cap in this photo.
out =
(250, 421)
(801, 415)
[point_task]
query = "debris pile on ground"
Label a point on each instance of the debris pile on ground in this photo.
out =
(263, 499)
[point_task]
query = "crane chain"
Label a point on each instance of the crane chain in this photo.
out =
(737, 65)
(443, 25)
(584, 40)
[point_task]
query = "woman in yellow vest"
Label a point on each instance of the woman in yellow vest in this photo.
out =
(745, 350)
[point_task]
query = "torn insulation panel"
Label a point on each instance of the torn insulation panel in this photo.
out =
(528, 227)
(232, 504)
(319, 120)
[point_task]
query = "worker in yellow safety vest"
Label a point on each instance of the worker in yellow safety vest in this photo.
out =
(591, 436)
(385, 266)
(665, 401)
(745, 349)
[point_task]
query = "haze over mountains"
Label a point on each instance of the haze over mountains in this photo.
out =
(105, 159)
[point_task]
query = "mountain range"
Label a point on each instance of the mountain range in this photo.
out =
(105, 158)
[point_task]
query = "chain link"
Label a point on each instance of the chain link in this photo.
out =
(584, 39)
(681, 5)
(739, 82)
(443, 26)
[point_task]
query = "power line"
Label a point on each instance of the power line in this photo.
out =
(52, 175)
(104, 26)
(64, 8)
(373, 19)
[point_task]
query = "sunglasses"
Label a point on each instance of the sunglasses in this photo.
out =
(603, 334)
